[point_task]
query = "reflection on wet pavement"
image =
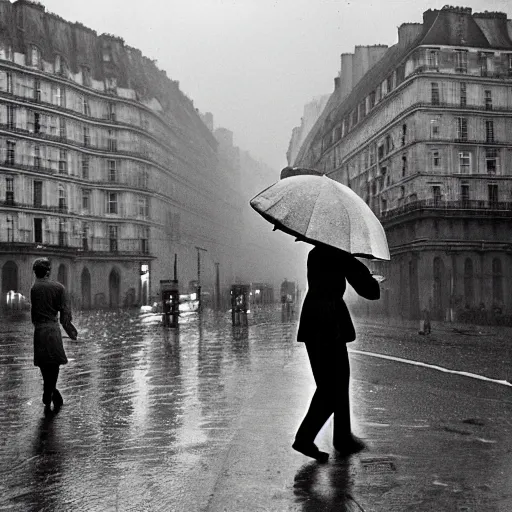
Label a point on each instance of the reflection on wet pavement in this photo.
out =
(203, 418)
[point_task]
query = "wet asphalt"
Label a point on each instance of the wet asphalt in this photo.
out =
(202, 419)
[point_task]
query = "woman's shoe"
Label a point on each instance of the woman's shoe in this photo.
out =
(310, 450)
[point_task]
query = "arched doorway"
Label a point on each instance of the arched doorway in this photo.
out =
(440, 290)
(86, 288)
(62, 275)
(9, 279)
(114, 282)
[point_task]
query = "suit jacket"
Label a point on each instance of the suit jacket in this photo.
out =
(48, 298)
(325, 317)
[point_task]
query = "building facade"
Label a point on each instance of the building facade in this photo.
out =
(424, 136)
(105, 167)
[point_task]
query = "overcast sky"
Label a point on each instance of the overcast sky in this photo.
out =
(253, 63)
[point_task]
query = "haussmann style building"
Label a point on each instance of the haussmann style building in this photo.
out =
(422, 131)
(105, 167)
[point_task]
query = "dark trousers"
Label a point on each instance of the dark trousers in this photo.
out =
(50, 374)
(331, 370)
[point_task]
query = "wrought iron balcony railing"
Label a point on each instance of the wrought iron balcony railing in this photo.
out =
(469, 207)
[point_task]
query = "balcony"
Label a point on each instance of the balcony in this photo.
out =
(469, 208)
(77, 245)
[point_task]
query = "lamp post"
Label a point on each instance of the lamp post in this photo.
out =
(199, 299)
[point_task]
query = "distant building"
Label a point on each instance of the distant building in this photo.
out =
(312, 111)
(424, 136)
(105, 166)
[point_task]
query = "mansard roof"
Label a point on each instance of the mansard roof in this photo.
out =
(450, 26)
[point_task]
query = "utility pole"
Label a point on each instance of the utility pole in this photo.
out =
(199, 300)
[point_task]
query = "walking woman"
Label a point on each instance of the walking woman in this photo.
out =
(48, 298)
(325, 328)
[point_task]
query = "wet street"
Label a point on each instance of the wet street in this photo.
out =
(203, 419)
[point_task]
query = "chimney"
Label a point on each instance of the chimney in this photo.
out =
(336, 82)
(408, 32)
(346, 73)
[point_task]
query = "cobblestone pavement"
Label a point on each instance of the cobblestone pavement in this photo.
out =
(202, 420)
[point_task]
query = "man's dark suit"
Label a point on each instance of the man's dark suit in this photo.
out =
(325, 327)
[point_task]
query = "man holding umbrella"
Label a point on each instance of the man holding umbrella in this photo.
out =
(329, 215)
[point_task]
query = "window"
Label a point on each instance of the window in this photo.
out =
(112, 236)
(436, 193)
(434, 128)
(389, 144)
(144, 239)
(433, 59)
(144, 207)
(404, 134)
(62, 128)
(491, 160)
(389, 83)
(492, 191)
(63, 236)
(86, 199)
(463, 95)
(461, 61)
(37, 157)
(10, 156)
(61, 67)
(509, 63)
(353, 118)
(85, 236)
(63, 161)
(8, 85)
(112, 170)
(486, 63)
(62, 199)
(436, 159)
(37, 122)
(111, 112)
(464, 162)
(9, 190)
(86, 76)
(38, 231)
(489, 131)
(462, 128)
(112, 142)
(488, 99)
(86, 109)
(434, 93)
(37, 90)
(35, 56)
(404, 165)
(464, 193)
(86, 136)
(112, 202)
(142, 179)
(85, 167)
(11, 117)
(372, 99)
(380, 152)
(38, 193)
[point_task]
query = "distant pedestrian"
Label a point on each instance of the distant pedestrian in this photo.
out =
(49, 299)
(326, 327)
(425, 322)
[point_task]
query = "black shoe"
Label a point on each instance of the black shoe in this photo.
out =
(310, 450)
(349, 445)
(57, 400)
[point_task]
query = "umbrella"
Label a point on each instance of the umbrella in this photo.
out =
(319, 209)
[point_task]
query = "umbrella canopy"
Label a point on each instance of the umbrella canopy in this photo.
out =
(320, 209)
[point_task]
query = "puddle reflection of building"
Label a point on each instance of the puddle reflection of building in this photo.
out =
(326, 487)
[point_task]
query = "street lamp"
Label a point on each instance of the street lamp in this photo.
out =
(199, 299)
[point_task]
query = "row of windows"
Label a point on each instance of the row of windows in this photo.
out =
(486, 61)
(112, 199)
(435, 96)
(364, 107)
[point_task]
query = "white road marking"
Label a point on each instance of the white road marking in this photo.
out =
(432, 367)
